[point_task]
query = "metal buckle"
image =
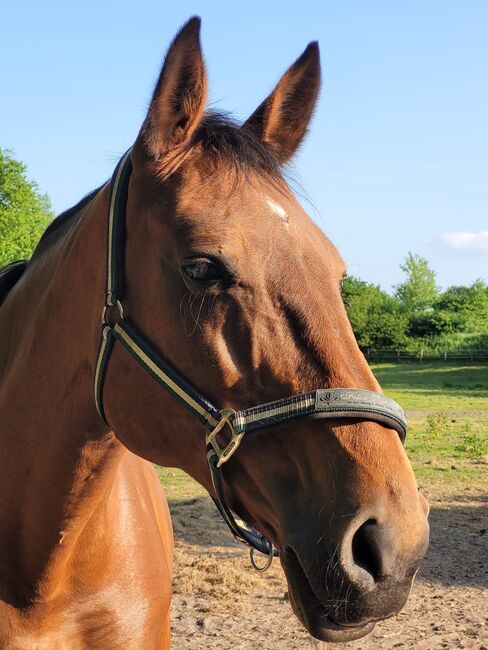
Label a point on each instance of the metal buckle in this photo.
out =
(223, 455)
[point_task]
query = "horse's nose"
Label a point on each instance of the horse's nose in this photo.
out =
(372, 554)
(375, 553)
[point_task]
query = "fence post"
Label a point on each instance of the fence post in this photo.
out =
(421, 355)
(445, 355)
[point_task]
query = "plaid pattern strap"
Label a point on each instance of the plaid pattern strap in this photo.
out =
(332, 403)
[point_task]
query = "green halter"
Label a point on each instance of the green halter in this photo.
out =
(333, 403)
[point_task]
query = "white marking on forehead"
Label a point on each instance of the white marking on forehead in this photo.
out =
(277, 208)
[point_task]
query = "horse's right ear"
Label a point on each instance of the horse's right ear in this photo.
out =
(281, 121)
(179, 97)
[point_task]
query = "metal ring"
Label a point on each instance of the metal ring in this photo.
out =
(266, 565)
(107, 306)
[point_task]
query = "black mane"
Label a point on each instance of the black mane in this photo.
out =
(67, 214)
(236, 144)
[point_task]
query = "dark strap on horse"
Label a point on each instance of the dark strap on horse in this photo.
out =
(331, 403)
(119, 190)
(241, 531)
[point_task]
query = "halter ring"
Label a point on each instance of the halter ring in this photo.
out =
(107, 306)
(266, 565)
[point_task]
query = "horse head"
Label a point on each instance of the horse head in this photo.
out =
(236, 286)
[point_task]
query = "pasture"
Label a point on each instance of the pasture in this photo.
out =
(221, 602)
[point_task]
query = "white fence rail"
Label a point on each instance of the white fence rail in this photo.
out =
(478, 356)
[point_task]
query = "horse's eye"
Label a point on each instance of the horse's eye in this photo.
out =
(202, 272)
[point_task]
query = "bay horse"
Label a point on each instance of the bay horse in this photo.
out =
(238, 290)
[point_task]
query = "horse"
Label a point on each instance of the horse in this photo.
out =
(238, 293)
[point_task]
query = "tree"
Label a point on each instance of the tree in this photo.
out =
(466, 306)
(376, 318)
(24, 211)
(419, 291)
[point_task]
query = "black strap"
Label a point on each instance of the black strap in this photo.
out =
(119, 190)
(336, 403)
(241, 531)
(166, 374)
(329, 403)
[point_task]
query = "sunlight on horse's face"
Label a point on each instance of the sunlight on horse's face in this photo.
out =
(340, 502)
(241, 292)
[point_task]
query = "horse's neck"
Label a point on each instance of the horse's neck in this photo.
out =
(57, 460)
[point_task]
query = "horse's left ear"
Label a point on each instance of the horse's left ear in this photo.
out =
(282, 119)
(179, 97)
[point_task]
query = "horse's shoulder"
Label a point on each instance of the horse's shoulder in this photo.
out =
(140, 496)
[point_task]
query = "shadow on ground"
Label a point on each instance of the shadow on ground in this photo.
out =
(458, 549)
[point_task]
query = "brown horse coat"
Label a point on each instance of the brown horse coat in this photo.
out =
(239, 289)
(86, 537)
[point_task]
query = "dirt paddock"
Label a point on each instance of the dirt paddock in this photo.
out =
(220, 602)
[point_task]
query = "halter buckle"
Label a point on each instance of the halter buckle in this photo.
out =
(223, 454)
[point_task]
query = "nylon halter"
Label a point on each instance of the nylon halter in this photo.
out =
(333, 403)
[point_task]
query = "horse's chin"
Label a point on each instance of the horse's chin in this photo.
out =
(312, 613)
(333, 633)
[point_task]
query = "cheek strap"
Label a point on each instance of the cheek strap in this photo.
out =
(333, 403)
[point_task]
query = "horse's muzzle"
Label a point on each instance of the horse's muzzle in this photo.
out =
(340, 592)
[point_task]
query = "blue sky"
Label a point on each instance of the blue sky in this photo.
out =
(397, 156)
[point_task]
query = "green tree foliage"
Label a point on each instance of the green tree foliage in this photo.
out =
(466, 308)
(376, 318)
(458, 310)
(418, 316)
(24, 211)
(419, 291)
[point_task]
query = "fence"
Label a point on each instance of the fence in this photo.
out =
(478, 356)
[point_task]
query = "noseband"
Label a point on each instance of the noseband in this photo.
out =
(332, 403)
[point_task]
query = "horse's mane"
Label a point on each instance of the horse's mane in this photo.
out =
(11, 273)
(67, 214)
(9, 276)
(220, 134)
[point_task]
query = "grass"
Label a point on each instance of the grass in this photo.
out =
(447, 442)
(447, 409)
(178, 486)
(452, 456)
(435, 387)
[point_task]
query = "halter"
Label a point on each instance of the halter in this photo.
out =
(333, 403)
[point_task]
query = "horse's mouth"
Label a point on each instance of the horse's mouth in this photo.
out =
(315, 616)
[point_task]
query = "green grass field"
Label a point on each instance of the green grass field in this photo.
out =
(447, 442)
(447, 409)
(435, 386)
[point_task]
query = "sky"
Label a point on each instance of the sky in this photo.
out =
(397, 155)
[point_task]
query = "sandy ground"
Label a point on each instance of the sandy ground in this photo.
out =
(221, 602)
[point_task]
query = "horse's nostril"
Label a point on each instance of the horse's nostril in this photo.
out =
(366, 551)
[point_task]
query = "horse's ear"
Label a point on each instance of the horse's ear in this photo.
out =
(282, 119)
(179, 97)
